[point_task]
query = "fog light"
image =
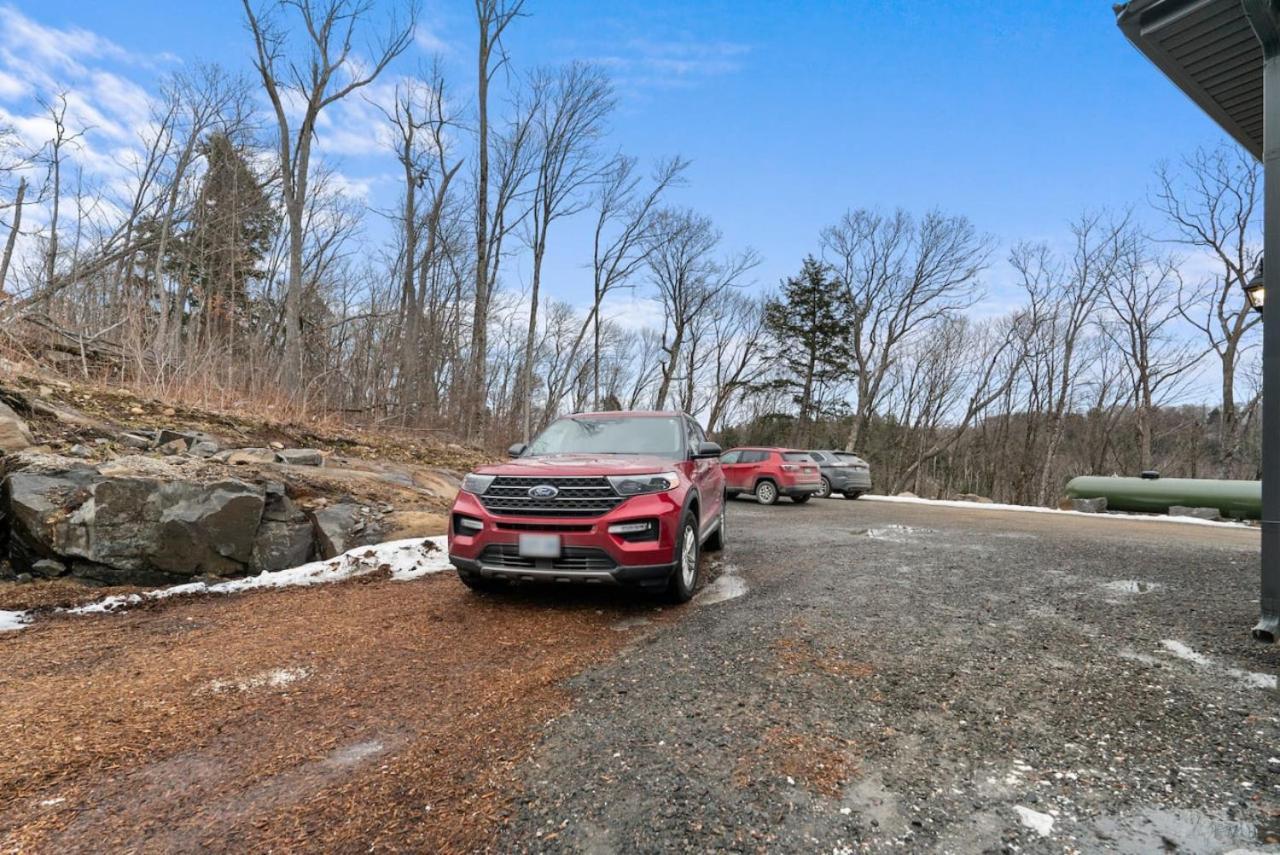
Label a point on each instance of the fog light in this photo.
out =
(629, 528)
(467, 525)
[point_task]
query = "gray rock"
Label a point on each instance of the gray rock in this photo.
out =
(337, 528)
(206, 528)
(974, 497)
(167, 436)
(14, 433)
(135, 440)
(174, 446)
(204, 448)
(300, 457)
(80, 450)
(132, 529)
(49, 568)
(1089, 506)
(281, 545)
(251, 455)
(1197, 513)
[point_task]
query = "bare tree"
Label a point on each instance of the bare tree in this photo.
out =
(688, 278)
(1142, 299)
(492, 17)
(327, 74)
(572, 106)
(1212, 205)
(901, 276)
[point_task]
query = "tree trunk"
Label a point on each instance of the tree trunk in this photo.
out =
(12, 239)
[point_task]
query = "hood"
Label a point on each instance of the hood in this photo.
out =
(581, 464)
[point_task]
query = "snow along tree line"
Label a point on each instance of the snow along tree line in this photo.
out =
(232, 268)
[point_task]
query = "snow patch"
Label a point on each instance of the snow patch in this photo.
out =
(1040, 823)
(406, 559)
(1131, 586)
(10, 621)
(274, 679)
(1251, 679)
(979, 506)
(894, 533)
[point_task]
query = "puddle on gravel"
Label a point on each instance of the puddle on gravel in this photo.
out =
(727, 586)
(1131, 586)
(1176, 830)
(893, 533)
(1184, 652)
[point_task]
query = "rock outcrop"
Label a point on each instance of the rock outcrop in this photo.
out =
(14, 433)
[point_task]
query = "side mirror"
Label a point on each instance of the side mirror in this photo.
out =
(706, 449)
(517, 449)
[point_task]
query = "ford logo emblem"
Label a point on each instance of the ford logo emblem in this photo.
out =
(543, 491)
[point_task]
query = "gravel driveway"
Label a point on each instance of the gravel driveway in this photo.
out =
(856, 675)
(931, 678)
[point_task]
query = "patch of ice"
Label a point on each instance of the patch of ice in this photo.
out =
(1131, 586)
(273, 679)
(52, 802)
(1251, 679)
(10, 621)
(893, 533)
(728, 586)
(977, 506)
(406, 559)
(1040, 823)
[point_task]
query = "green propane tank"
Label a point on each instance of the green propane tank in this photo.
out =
(1239, 499)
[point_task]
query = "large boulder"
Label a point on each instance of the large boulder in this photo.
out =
(14, 433)
(126, 529)
(285, 538)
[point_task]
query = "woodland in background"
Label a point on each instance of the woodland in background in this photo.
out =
(233, 270)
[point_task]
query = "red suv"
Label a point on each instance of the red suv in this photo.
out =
(626, 498)
(770, 473)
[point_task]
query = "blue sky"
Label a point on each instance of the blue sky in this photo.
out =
(1018, 115)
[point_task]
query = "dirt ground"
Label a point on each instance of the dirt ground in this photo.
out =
(861, 676)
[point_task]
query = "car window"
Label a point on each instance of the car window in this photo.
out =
(753, 456)
(849, 458)
(607, 434)
(797, 456)
(820, 456)
(693, 434)
(730, 457)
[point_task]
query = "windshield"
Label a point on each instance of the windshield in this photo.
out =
(604, 435)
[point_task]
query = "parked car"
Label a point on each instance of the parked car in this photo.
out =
(842, 472)
(625, 498)
(768, 473)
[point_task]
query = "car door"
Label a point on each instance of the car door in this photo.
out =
(707, 475)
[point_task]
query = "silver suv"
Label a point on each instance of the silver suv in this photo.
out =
(842, 472)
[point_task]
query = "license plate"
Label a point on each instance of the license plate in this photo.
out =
(540, 545)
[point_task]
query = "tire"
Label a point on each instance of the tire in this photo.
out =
(852, 496)
(715, 540)
(480, 584)
(801, 498)
(825, 491)
(684, 577)
(767, 493)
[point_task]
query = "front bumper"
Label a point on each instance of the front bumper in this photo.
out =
(590, 553)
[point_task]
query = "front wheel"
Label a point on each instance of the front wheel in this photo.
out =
(825, 490)
(800, 498)
(766, 493)
(684, 580)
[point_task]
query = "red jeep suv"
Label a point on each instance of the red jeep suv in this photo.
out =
(770, 473)
(626, 498)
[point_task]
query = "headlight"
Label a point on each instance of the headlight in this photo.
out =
(476, 484)
(636, 485)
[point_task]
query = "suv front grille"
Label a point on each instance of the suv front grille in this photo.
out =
(579, 558)
(578, 497)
